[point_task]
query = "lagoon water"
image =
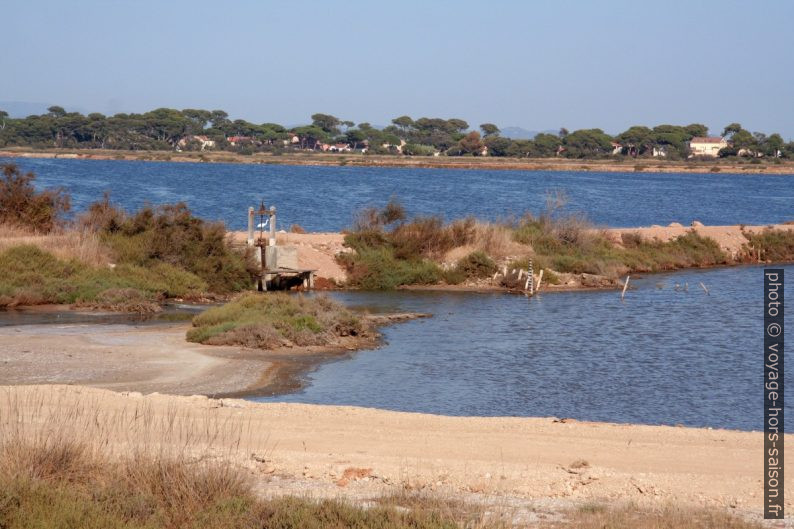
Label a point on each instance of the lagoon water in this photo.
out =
(665, 355)
(325, 198)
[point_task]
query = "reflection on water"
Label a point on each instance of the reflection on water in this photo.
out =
(667, 355)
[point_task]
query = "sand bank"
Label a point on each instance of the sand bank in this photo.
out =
(306, 449)
(157, 358)
(318, 250)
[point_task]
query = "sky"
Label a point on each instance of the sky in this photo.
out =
(535, 64)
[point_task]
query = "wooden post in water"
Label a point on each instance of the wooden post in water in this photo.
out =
(704, 288)
(625, 286)
(540, 278)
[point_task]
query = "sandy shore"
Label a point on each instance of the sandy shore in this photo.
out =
(429, 162)
(327, 451)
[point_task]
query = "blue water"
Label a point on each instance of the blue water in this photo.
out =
(662, 356)
(325, 198)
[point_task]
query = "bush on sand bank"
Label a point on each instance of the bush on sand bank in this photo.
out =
(270, 320)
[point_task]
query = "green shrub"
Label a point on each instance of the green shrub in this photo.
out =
(380, 269)
(271, 320)
(22, 205)
(775, 245)
(476, 265)
(172, 235)
(571, 245)
(33, 276)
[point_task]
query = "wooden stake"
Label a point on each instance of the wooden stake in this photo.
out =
(704, 288)
(625, 286)
(540, 278)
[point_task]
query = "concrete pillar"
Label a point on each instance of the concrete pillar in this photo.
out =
(250, 240)
(272, 241)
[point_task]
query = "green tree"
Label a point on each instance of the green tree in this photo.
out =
(587, 143)
(637, 140)
(731, 129)
(56, 111)
(404, 123)
(497, 145)
(489, 129)
(326, 122)
(471, 144)
(545, 145)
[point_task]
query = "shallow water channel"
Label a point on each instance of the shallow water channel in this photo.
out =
(668, 354)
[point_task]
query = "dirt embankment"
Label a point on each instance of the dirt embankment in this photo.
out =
(620, 165)
(332, 451)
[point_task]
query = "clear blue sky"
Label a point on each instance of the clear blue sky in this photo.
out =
(536, 64)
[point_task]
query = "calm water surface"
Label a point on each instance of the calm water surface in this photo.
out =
(664, 356)
(325, 198)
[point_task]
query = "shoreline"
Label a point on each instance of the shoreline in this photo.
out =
(156, 358)
(318, 251)
(415, 162)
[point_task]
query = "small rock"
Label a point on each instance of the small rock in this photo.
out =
(696, 224)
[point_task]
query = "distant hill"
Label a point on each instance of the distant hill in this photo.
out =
(23, 109)
(519, 133)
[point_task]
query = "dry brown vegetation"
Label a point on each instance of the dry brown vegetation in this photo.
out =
(22, 205)
(81, 245)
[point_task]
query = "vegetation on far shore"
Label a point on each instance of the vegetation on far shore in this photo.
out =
(275, 319)
(108, 258)
(166, 129)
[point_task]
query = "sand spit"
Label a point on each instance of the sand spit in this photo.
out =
(616, 165)
(158, 358)
(318, 250)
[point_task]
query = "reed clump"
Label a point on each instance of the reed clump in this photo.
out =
(773, 245)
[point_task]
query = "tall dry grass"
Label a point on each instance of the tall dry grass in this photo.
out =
(82, 245)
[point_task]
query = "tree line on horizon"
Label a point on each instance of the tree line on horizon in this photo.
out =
(196, 129)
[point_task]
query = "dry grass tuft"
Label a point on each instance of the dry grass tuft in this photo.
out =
(82, 245)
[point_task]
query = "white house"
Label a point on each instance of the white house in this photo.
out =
(707, 146)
